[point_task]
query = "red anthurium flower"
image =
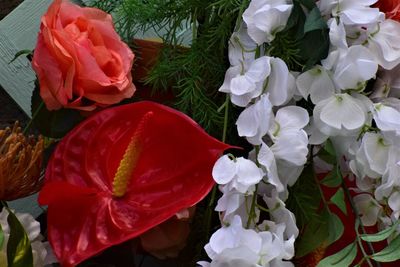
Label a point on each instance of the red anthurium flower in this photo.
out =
(390, 7)
(122, 172)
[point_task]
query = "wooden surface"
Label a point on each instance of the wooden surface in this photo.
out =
(18, 31)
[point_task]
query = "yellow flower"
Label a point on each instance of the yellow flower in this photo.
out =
(21, 160)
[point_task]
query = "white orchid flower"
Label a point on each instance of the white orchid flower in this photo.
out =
(233, 203)
(372, 156)
(390, 178)
(254, 122)
(387, 84)
(351, 11)
(267, 159)
(388, 121)
(351, 67)
(264, 18)
(281, 214)
(275, 247)
(368, 208)
(241, 256)
(233, 236)
(242, 48)
(245, 82)
(281, 84)
(240, 174)
(341, 114)
(394, 204)
(316, 83)
(290, 140)
(229, 203)
(384, 43)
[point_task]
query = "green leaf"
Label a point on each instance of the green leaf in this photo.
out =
(304, 198)
(314, 21)
(328, 147)
(328, 153)
(54, 124)
(336, 228)
(296, 18)
(382, 235)
(333, 179)
(390, 253)
(19, 251)
(342, 258)
(314, 47)
(309, 4)
(20, 53)
(316, 234)
(338, 200)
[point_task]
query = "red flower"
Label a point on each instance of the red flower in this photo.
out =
(390, 7)
(122, 172)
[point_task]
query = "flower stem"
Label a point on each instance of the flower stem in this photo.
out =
(324, 201)
(252, 208)
(209, 210)
(34, 115)
(252, 213)
(226, 116)
(359, 225)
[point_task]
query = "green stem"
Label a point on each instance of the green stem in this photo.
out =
(252, 208)
(226, 116)
(209, 210)
(34, 115)
(324, 201)
(252, 213)
(365, 255)
(357, 226)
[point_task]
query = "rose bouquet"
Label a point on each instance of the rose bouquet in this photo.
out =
(304, 91)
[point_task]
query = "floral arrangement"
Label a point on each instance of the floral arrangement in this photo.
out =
(305, 93)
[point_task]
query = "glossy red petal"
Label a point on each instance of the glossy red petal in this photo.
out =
(173, 172)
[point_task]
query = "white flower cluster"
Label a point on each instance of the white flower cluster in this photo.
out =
(364, 127)
(41, 251)
(364, 130)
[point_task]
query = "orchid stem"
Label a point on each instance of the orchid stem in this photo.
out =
(252, 208)
(252, 213)
(324, 201)
(359, 225)
(226, 117)
(208, 215)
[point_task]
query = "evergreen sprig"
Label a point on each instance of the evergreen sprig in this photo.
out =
(193, 73)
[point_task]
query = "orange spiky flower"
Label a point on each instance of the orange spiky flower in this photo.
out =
(21, 160)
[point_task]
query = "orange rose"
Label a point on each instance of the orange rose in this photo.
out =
(80, 60)
(390, 7)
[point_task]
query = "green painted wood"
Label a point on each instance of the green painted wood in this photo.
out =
(18, 31)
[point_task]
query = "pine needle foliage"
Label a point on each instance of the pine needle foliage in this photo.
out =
(194, 73)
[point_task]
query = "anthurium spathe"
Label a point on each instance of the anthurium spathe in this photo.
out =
(122, 172)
